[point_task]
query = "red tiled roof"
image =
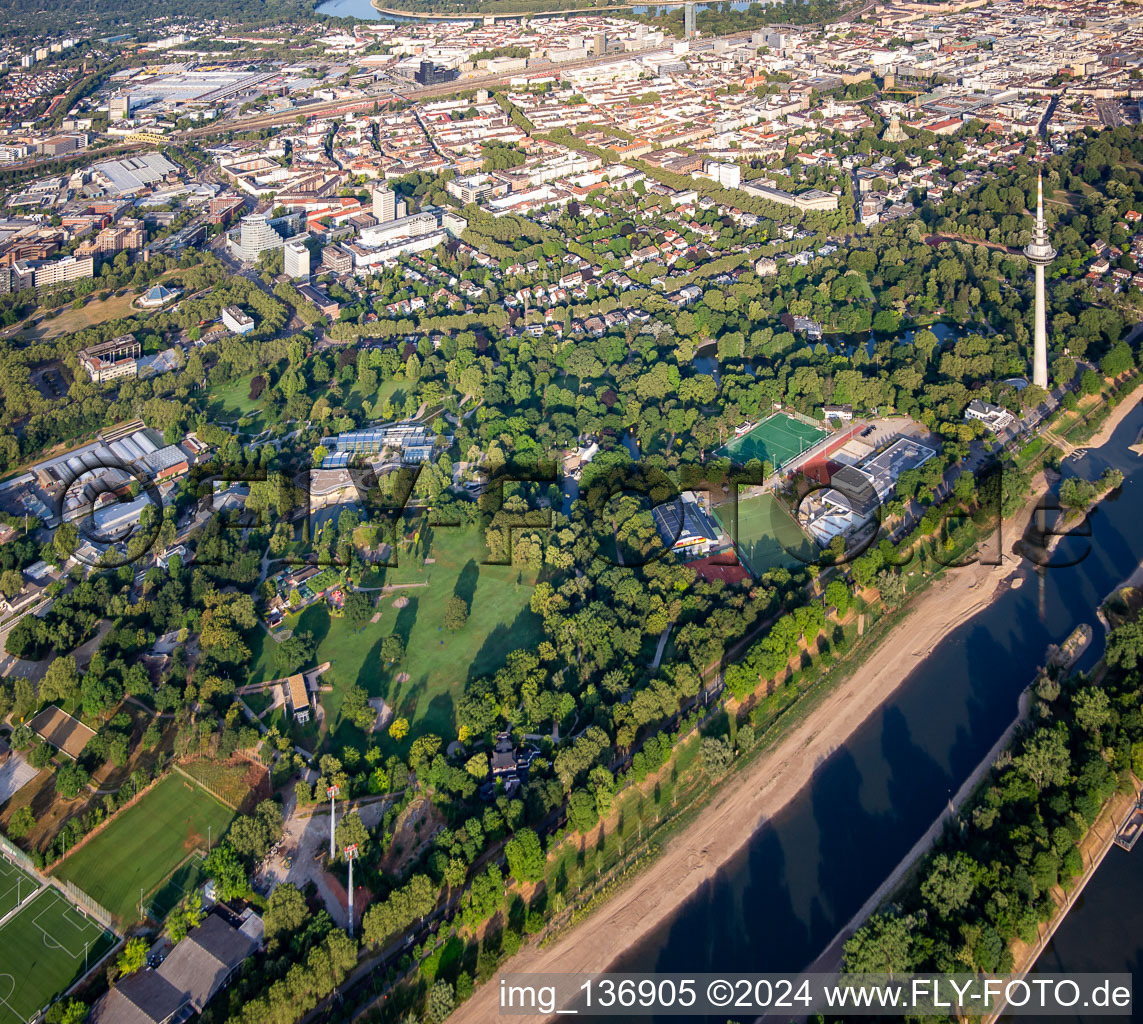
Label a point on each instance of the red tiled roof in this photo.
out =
(716, 567)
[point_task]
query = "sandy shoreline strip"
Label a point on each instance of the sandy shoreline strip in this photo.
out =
(694, 855)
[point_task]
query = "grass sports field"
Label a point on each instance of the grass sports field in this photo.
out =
(438, 663)
(43, 949)
(776, 440)
(765, 534)
(16, 885)
(142, 847)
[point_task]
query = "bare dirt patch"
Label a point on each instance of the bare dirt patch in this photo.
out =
(414, 827)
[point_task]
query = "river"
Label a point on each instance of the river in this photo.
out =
(1103, 931)
(364, 10)
(804, 874)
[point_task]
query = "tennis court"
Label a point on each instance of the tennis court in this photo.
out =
(765, 535)
(777, 440)
(46, 946)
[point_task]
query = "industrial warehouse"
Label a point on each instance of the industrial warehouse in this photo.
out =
(90, 483)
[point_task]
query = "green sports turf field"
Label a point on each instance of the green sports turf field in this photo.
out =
(16, 885)
(145, 844)
(776, 440)
(765, 534)
(43, 949)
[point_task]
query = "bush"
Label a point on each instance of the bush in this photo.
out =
(21, 822)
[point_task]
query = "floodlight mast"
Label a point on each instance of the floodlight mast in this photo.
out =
(331, 792)
(351, 856)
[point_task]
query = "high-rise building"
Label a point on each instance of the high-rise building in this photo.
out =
(70, 268)
(384, 204)
(599, 46)
(688, 21)
(432, 74)
(1039, 253)
(337, 259)
(255, 236)
(296, 259)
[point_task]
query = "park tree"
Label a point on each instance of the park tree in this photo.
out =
(951, 881)
(880, 946)
(71, 1011)
(1125, 646)
(525, 856)
(186, 916)
(132, 956)
(392, 648)
(293, 653)
(440, 1002)
(1092, 709)
(70, 779)
(477, 766)
(252, 835)
(716, 755)
(351, 829)
(456, 613)
(1045, 760)
(65, 541)
(11, 583)
(21, 823)
(286, 912)
(358, 609)
(582, 813)
(225, 868)
(357, 709)
(837, 595)
(399, 909)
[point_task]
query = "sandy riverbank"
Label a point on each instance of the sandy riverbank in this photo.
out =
(725, 825)
(757, 794)
(1117, 416)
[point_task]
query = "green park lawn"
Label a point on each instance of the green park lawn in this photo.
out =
(355, 398)
(438, 663)
(230, 401)
(145, 844)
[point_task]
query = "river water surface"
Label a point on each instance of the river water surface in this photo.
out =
(802, 876)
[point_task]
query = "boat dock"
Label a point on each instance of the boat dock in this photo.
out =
(1131, 829)
(1065, 655)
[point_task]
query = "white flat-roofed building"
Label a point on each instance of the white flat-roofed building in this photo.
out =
(134, 173)
(236, 320)
(994, 417)
(384, 204)
(296, 259)
(70, 268)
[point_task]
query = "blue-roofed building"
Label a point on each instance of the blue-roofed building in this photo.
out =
(412, 440)
(157, 296)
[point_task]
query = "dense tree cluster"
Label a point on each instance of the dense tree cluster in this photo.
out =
(991, 881)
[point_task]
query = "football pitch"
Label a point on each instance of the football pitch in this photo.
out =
(777, 440)
(765, 535)
(44, 947)
(16, 886)
(145, 844)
